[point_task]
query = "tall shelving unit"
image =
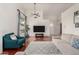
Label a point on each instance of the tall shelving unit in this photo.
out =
(21, 24)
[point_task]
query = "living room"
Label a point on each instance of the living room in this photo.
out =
(11, 20)
(49, 28)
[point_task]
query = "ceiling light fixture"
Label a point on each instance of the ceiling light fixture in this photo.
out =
(35, 13)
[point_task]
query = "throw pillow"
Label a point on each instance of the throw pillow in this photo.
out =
(13, 37)
(75, 43)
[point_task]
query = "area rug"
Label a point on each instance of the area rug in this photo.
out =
(42, 48)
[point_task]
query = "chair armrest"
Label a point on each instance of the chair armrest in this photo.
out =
(19, 37)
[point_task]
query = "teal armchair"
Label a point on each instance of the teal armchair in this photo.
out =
(9, 43)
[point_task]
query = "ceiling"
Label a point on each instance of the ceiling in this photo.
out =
(50, 9)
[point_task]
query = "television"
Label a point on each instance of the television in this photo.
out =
(39, 28)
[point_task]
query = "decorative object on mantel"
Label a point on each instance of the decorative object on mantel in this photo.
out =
(35, 13)
(76, 19)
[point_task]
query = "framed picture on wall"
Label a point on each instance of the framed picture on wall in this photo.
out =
(77, 25)
(76, 19)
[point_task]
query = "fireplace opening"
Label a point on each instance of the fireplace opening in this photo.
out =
(38, 28)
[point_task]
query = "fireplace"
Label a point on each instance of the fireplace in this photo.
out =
(38, 28)
(39, 32)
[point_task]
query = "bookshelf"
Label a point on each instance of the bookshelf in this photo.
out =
(22, 25)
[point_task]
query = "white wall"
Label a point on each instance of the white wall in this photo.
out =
(68, 26)
(55, 30)
(56, 27)
(8, 19)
